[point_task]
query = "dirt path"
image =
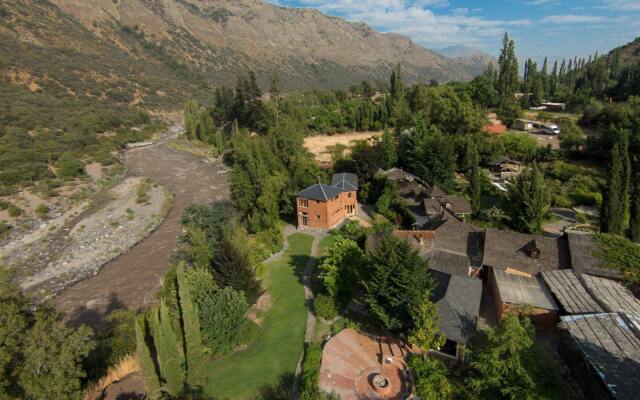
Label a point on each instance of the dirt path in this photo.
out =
(131, 280)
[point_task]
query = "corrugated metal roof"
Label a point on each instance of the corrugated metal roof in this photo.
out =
(522, 290)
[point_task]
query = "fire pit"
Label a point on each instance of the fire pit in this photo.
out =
(380, 381)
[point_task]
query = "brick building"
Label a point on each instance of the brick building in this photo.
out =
(325, 206)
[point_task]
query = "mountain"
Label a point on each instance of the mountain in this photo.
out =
(460, 51)
(468, 56)
(630, 52)
(154, 51)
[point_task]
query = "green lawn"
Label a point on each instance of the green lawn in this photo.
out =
(325, 244)
(275, 352)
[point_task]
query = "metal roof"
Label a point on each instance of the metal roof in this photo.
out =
(610, 343)
(320, 192)
(522, 290)
(345, 181)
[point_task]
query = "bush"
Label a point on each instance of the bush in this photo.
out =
(14, 211)
(42, 210)
(4, 229)
(115, 341)
(311, 367)
(68, 166)
(520, 146)
(325, 307)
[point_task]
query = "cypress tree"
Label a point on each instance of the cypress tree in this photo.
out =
(170, 355)
(232, 267)
(193, 348)
(149, 370)
(475, 182)
(634, 225)
(612, 215)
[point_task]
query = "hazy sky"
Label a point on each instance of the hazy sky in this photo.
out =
(555, 28)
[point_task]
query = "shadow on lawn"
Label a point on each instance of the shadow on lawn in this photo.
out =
(280, 391)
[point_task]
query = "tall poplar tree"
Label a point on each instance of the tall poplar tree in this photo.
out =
(634, 225)
(529, 201)
(146, 361)
(508, 82)
(388, 152)
(613, 215)
(474, 176)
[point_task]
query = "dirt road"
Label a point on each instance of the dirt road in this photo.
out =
(131, 280)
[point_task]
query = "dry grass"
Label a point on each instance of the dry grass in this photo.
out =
(126, 366)
(320, 145)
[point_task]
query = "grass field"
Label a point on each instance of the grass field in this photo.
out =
(274, 354)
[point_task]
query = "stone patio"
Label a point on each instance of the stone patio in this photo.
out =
(356, 366)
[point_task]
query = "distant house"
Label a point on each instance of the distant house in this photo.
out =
(436, 202)
(458, 301)
(517, 293)
(505, 168)
(498, 129)
(324, 207)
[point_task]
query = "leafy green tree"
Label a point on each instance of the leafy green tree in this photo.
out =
(474, 176)
(509, 365)
(388, 152)
(519, 146)
(508, 82)
(529, 201)
(426, 332)
(571, 136)
(340, 267)
(613, 204)
(170, 353)
(191, 110)
(396, 284)
(396, 87)
(430, 378)
(39, 356)
(634, 224)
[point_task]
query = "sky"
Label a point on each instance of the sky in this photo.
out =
(553, 28)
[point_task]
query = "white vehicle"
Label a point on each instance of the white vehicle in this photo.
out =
(550, 129)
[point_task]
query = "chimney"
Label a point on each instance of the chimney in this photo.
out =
(533, 249)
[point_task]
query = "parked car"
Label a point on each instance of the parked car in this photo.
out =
(550, 129)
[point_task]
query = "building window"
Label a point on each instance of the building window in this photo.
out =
(304, 203)
(349, 195)
(305, 218)
(318, 216)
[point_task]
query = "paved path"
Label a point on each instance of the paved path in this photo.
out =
(131, 280)
(308, 295)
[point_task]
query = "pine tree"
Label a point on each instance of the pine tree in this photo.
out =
(474, 176)
(193, 348)
(529, 201)
(149, 370)
(612, 215)
(232, 267)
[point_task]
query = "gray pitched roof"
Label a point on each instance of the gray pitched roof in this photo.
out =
(320, 192)
(449, 263)
(345, 181)
(458, 205)
(397, 174)
(435, 191)
(432, 206)
(457, 237)
(458, 301)
(568, 289)
(581, 248)
(610, 343)
(522, 290)
(507, 249)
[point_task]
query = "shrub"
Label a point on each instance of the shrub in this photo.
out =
(113, 343)
(325, 307)
(42, 210)
(14, 211)
(68, 166)
(4, 229)
(311, 367)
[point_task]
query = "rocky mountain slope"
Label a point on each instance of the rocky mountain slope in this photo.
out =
(468, 56)
(630, 52)
(146, 49)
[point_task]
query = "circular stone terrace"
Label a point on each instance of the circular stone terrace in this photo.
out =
(356, 366)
